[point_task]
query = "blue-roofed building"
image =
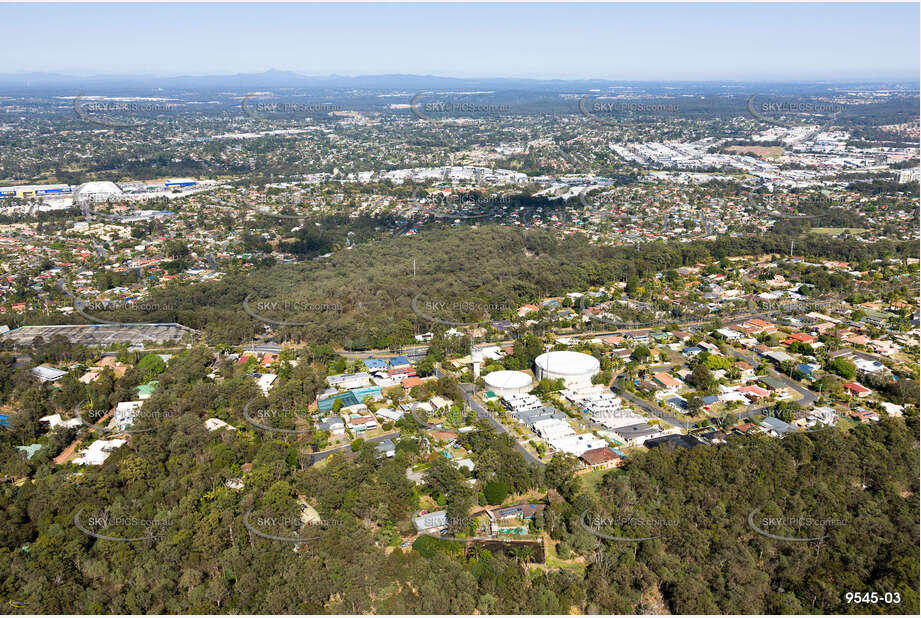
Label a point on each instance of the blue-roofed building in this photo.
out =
(375, 363)
(374, 392)
(348, 399)
(4, 420)
(400, 361)
(709, 400)
(692, 351)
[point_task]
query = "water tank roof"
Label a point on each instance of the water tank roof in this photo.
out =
(508, 379)
(566, 362)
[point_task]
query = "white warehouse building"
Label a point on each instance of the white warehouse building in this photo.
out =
(508, 382)
(575, 368)
(95, 192)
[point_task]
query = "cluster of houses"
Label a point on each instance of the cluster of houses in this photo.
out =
(505, 520)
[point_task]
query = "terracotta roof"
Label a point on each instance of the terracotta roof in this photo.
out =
(601, 455)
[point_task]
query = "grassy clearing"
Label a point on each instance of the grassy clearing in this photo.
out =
(834, 231)
(591, 480)
(768, 152)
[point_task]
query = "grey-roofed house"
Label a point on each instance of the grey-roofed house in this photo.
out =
(779, 357)
(676, 441)
(679, 403)
(385, 448)
(776, 427)
(431, 522)
(48, 374)
(772, 384)
(333, 424)
(636, 435)
(529, 417)
(30, 449)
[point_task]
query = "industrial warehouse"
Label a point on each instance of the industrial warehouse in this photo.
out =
(106, 191)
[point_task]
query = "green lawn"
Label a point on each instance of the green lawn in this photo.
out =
(553, 561)
(591, 480)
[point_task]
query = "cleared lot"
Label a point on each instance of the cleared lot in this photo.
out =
(101, 334)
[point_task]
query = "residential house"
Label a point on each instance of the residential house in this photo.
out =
(678, 403)
(333, 424)
(98, 452)
(892, 409)
(55, 420)
(666, 381)
(47, 374)
(864, 416)
(776, 427)
(800, 337)
(676, 440)
(600, 458)
(852, 388)
(753, 391)
(746, 371)
(638, 336)
(213, 424)
(386, 448)
(429, 523)
(771, 383)
(756, 326)
(345, 381)
(125, 413)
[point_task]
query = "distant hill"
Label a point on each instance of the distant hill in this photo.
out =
(276, 79)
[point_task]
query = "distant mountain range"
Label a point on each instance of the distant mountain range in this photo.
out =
(275, 79)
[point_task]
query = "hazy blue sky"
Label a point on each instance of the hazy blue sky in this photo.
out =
(618, 41)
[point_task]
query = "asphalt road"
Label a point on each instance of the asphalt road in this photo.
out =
(648, 407)
(808, 397)
(468, 390)
(315, 457)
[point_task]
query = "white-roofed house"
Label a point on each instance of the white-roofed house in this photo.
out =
(98, 452)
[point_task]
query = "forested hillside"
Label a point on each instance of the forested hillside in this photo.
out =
(362, 298)
(202, 557)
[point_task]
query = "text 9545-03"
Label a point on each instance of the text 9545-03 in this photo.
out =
(893, 598)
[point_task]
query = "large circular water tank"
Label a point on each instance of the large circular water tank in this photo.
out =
(575, 368)
(508, 382)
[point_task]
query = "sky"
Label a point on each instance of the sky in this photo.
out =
(544, 41)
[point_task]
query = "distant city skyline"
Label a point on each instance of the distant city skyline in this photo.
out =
(542, 41)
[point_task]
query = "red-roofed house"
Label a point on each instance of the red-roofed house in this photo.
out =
(856, 389)
(756, 325)
(801, 337)
(600, 458)
(411, 382)
(755, 391)
(526, 309)
(665, 380)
